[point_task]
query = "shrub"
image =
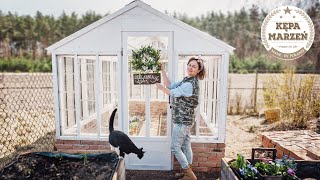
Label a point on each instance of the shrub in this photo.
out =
(25, 65)
(295, 95)
(253, 63)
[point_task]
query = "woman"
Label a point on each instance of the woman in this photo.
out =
(185, 94)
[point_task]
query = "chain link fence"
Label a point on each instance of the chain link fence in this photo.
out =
(26, 114)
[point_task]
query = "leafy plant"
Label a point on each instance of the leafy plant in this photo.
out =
(285, 167)
(288, 167)
(85, 159)
(146, 59)
(58, 156)
(268, 168)
(25, 65)
(247, 171)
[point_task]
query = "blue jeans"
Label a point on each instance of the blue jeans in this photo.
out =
(181, 144)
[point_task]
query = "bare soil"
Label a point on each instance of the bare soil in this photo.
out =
(33, 166)
(242, 134)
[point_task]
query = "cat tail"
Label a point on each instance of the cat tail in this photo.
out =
(111, 120)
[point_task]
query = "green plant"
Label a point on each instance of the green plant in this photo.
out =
(246, 170)
(58, 156)
(252, 63)
(268, 168)
(146, 59)
(285, 167)
(85, 159)
(25, 65)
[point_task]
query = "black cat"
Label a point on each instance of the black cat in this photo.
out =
(121, 140)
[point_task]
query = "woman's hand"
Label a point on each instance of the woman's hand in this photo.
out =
(165, 78)
(161, 67)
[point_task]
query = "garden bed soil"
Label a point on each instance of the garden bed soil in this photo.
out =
(61, 166)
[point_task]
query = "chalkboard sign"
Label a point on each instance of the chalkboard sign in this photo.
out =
(152, 78)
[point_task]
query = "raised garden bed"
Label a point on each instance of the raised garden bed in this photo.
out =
(47, 165)
(267, 167)
(305, 170)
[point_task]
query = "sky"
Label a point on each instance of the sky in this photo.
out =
(190, 7)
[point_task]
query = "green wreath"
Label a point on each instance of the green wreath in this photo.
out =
(146, 60)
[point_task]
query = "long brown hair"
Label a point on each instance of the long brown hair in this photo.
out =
(202, 69)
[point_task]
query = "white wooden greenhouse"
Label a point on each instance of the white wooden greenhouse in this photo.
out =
(92, 76)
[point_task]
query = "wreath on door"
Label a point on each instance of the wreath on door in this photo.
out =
(146, 65)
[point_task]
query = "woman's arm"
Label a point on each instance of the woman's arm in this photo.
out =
(162, 88)
(185, 89)
(165, 78)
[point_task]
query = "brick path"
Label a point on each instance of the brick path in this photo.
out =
(300, 144)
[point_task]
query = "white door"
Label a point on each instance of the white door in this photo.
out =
(146, 114)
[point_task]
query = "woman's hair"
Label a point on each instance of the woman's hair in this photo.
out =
(202, 69)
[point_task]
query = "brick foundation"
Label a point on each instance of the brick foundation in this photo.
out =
(82, 146)
(206, 157)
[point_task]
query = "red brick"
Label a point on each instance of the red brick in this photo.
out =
(81, 147)
(71, 141)
(94, 142)
(195, 164)
(63, 146)
(200, 159)
(212, 145)
(286, 151)
(219, 154)
(214, 159)
(265, 144)
(215, 150)
(218, 164)
(208, 164)
(221, 145)
(201, 154)
(199, 149)
(59, 141)
(197, 145)
(201, 169)
(98, 147)
(279, 153)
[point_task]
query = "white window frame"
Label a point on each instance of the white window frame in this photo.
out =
(57, 85)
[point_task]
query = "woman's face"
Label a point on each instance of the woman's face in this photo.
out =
(193, 68)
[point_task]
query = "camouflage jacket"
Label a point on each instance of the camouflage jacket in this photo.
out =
(183, 107)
